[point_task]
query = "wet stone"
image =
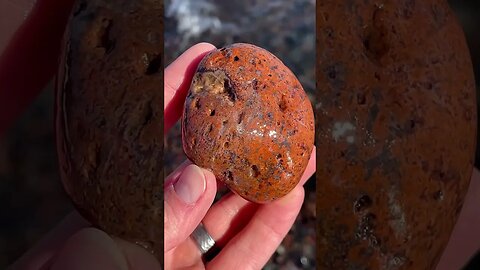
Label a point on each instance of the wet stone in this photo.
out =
(248, 120)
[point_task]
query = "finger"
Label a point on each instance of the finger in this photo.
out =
(465, 239)
(229, 215)
(174, 175)
(221, 187)
(42, 253)
(32, 52)
(262, 235)
(187, 200)
(178, 76)
(137, 257)
(91, 248)
(223, 221)
(311, 167)
(185, 256)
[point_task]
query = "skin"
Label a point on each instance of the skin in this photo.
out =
(238, 226)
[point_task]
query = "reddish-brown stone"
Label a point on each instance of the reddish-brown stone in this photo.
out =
(396, 124)
(248, 120)
(109, 117)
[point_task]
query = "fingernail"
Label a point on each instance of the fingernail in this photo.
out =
(191, 184)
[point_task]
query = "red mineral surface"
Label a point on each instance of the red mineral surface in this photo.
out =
(249, 121)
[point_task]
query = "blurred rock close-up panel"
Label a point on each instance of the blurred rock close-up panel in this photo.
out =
(32, 199)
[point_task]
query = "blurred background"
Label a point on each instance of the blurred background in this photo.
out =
(32, 199)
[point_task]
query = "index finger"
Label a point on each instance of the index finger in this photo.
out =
(32, 51)
(178, 76)
(258, 240)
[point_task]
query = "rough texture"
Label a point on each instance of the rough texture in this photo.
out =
(109, 117)
(396, 123)
(248, 120)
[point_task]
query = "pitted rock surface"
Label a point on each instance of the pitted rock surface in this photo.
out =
(248, 120)
(396, 125)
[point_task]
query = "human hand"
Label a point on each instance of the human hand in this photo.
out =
(247, 234)
(75, 244)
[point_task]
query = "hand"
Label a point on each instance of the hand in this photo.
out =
(246, 233)
(74, 244)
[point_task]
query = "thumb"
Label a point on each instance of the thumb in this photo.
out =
(90, 248)
(189, 193)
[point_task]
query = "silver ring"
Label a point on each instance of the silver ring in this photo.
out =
(203, 239)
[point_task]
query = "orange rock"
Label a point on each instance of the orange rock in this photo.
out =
(248, 119)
